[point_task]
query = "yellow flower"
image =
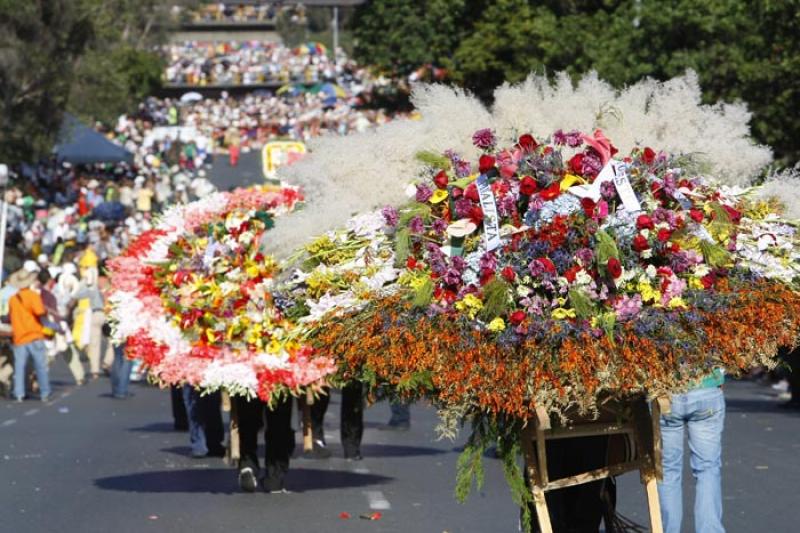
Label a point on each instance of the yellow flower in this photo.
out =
(559, 313)
(676, 303)
(570, 180)
(438, 196)
(649, 294)
(471, 304)
(498, 324)
(695, 283)
(252, 271)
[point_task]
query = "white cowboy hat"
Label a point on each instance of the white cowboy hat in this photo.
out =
(22, 279)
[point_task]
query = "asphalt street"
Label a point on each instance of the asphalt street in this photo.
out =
(90, 463)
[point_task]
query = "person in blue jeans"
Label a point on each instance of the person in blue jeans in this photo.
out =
(702, 412)
(206, 431)
(120, 373)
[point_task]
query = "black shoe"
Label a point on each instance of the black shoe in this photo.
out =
(247, 480)
(391, 426)
(353, 456)
(274, 486)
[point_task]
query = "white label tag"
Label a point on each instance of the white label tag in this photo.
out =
(623, 186)
(491, 222)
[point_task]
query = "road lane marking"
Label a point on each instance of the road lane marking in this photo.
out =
(9, 422)
(377, 501)
(30, 412)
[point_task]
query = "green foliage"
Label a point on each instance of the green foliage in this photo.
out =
(469, 470)
(424, 294)
(581, 303)
(433, 160)
(402, 246)
(496, 298)
(509, 452)
(606, 248)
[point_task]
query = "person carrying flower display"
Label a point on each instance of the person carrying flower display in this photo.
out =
(278, 438)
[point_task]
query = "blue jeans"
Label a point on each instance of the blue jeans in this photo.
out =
(401, 413)
(702, 411)
(120, 373)
(197, 437)
(36, 351)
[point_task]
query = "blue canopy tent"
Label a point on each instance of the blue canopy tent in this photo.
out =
(81, 145)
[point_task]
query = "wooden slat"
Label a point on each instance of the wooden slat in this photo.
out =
(308, 437)
(528, 437)
(233, 443)
(588, 430)
(594, 475)
(542, 423)
(656, 411)
(654, 506)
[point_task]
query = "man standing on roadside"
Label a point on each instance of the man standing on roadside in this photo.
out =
(25, 309)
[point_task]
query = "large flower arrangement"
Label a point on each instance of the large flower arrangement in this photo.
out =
(192, 298)
(552, 274)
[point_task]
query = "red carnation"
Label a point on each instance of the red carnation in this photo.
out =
(696, 215)
(508, 274)
(547, 264)
(640, 243)
(527, 143)
(486, 163)
(664, 234)
(572, 273)
(708, 281)
(441, 179)
(476, 214)
(735, 215)
(576, 164)
(471, 193)
(411, 263)
(614, 267)
(588, 206)
(528, 186)
(456, 192)
(648, 155)
(552, 192)
(645, 222)
(517, 317)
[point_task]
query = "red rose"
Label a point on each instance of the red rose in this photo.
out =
(486, 163)
(411, 263)
(648, 156)
(696, 215)
(456, 192)
(735, 215)
(572, 273)
(487, 275)
(548, 265)
(588, 206)
(441, 179)
(527, 143)
(508, 274)
(552, 192)
(644, 222)
(476, 214)
(576, 164)
(517, 317)
(614, 267)
(640, 243)
(471, 192)
(664, 234)
(708, 281)
(528, 186)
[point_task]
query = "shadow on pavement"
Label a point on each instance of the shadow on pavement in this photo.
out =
(156, 427)
(224, 481)
(395, 450)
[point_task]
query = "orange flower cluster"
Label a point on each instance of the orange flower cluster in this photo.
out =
(433, 356)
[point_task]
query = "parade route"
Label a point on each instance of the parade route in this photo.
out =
(86, 462)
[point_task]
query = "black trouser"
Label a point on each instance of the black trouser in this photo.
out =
(211, 414)
(278, 435)
(580, 508)
(793, 359)
(352, 417)
(179, 419)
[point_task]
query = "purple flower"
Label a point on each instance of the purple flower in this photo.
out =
(488, 262)
(452, 276)
(585, 256)
(628, 307)
(436, 259)
(506, 205)
(591, 164)
(572, 139)
(607, 190)
(416, 225)
(483, 138)
(439, 226)
(458, 263)
(463, 207)
(424, 193)
(390, 216)
(463, 169)
(536, 269)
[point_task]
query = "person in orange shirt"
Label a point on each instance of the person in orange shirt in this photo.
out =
(25, 309)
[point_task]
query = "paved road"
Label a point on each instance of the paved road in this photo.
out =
(89, 463)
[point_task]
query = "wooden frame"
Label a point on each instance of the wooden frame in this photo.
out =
(642, 424)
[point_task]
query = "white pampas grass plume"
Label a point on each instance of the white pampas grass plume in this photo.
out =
(664, 115)
(346, 175)
(785, 187)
